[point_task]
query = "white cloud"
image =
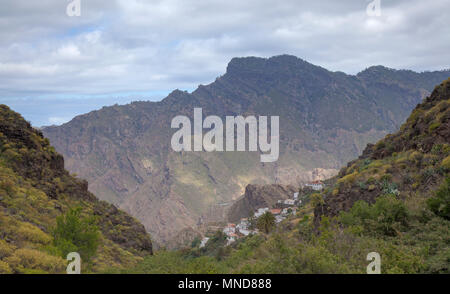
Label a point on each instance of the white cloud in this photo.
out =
(69, 51)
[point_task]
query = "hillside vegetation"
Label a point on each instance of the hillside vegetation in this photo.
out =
(394, 200)
(46, 213)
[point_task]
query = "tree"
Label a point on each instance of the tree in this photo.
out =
(74, 233)
(266, 222)
(440, 204)
(317, 200)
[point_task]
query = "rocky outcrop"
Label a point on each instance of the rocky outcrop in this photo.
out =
(259, 196)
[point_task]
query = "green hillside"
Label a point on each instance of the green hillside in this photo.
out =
(36, 193)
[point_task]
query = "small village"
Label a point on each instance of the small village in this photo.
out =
(281, 210)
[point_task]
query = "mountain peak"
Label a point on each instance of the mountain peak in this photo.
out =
(238, 64)
(260, 64)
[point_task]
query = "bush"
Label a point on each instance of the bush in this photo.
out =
(7, 185)
(348, 179)
(26, 258)
(27, 231)
(76, 234)
(5, 249)
(446, 163)
(434, 126)
(385, 217)
(437, 149)
(5, 268)
(317, 200)
(389, 187)
(440, 204)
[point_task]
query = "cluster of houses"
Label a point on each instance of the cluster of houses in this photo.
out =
(281, 211)
(315, 185)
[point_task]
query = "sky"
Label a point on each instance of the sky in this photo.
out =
(55, 65)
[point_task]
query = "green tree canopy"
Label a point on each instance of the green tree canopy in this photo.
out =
(74, 233)
(266, 222)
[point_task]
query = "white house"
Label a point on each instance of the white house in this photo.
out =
(244, 232)
(289, 210)
(231, 238)
(261, 211)
(279, 218)
(229, 229)
(244, 224)
(203, 242)
(316, 185)
(289, 201)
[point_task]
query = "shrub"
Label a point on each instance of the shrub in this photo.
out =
(316, 199)
(5, 249)
(416, 157)
(386, 178)
(27, 231)
(446, 163)
(365, 164)
(371, 187)
(5, 268)
(218, 240)
(7, 185)
(26, 258)
(380, 145)
(389, 187)
(434, 126)
(362, 185)
(348, 179)
(371, 180)
(386, 216)
(437, 149)
(440, 203)
(76, 234)
(427, 174)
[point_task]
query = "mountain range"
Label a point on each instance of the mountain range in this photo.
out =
(326, 119)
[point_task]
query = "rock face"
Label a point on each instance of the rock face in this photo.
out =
(412, 161)
(259, 196)
(326, 119)
(35, 189)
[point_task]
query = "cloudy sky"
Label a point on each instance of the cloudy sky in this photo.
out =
(54, 66)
